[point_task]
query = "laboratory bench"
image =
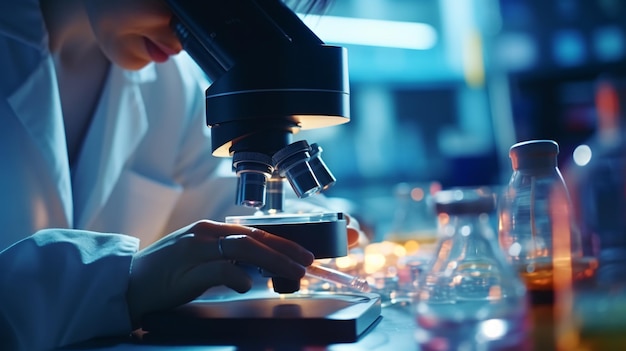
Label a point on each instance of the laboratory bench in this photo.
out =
(586, 317)
(395, 330)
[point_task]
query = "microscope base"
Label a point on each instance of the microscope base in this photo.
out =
(267, 318)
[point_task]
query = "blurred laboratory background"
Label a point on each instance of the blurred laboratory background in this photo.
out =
(440, 89)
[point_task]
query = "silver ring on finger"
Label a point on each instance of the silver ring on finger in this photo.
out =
(220, 248)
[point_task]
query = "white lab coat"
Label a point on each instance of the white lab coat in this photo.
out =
(58, 287)
(145, 169)
(146, 166)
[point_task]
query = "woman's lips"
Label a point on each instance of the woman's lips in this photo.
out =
(158, 53)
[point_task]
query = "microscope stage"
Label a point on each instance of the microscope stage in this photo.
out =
(267, 318)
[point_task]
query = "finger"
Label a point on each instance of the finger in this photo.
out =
(290, 248)
(353, 237)
(247, 249)
(197, 248)
(202, 241)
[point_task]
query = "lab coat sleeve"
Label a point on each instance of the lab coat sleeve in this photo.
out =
(59, 287)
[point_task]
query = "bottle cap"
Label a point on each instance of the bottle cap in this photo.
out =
(465, 201)
(534, 154)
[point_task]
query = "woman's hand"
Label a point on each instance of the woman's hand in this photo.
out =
(184, 264)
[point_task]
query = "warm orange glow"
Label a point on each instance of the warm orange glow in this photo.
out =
(346, 262)
(539, 277)
(304, 285)
(435, 187)
(505, 219)
(566, 333)
(607, 106)
(495, 292)
(323, 261)
(417, 194)
(385, 248)
(411, 246)
(443, 219)
(399, 251)
(374, 262)
(539, 252)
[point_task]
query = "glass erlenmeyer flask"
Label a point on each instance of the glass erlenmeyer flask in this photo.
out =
(414, 218)
(469, 298)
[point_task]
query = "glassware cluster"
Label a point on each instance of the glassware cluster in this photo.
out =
(469, 298)
(496, 255)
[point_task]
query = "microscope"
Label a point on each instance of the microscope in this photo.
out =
(271, 77)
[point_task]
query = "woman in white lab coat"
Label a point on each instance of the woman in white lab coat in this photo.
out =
(139, 159)
(96, 139)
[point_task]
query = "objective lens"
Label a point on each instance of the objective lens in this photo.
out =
(253, 170)
(251, 189)
(292, 162)
(323, 175)
(275, 196)
(302, 180)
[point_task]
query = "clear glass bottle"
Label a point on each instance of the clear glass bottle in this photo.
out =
(469, 297)
(536, 218)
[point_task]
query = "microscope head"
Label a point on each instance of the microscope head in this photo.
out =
(271, 77)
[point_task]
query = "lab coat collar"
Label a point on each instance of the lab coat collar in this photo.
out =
(46, 130)
(119, 125)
